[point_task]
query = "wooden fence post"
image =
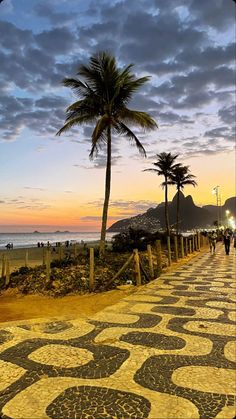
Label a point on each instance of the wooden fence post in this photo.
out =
(159, 259)
(137, 267)
(182, 246)
(198, 243)
(7, 272)
(150, 261)
(195, 242)
(186, 246)
(168, 250)
(60, 252)
(3, 265)
(48, 265)
(44, 261)
(190, 245)
(91, 269)
(75, 250)
(26, 258)
(176, 248)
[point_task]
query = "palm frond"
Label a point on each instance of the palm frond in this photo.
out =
(99, 133)
(151, 170)
(121, 128)
(79, 120)
(142, 119)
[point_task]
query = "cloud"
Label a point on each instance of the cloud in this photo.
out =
(93, 218)
(186, 45)
(125, 208)
(23, 203)
(227, 114)
(56, 41)
(45, 10)
(33, 188)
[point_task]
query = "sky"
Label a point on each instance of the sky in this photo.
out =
(186, 47)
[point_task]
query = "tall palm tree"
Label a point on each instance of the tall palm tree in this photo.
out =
(180, 177)
(104, 93)
(164, 167)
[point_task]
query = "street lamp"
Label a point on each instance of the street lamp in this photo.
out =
(227, 212)
(215, 192)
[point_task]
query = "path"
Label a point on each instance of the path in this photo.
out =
(167, 351)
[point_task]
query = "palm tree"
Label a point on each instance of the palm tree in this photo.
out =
(181, 177)
(104, 93)
(165, 165)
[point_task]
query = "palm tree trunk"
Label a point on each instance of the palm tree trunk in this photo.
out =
(177, 216)
(166, 209)
(107, 195)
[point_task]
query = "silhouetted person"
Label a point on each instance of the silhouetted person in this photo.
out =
(226, 238)
(234, 237)
(212, 241)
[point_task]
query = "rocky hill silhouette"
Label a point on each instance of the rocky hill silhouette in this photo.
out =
(191, 216)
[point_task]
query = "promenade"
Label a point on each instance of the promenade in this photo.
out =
(166, 351)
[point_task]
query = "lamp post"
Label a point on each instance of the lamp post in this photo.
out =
(215, 191)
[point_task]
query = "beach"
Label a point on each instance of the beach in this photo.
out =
(17, 257)
(26, 240)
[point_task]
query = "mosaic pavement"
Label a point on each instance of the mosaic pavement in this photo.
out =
(166, 351)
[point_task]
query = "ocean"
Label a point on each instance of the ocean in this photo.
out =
(31, 239)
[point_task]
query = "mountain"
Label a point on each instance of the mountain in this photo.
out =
(191, 216)
(229, 205)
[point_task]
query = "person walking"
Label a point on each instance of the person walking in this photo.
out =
(212, 241)
(234, 237)
(226, 240)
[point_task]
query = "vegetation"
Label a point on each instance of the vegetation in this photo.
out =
(180, 177)
(103, 98)
(134, 239)
(164, 166)
(71, 276)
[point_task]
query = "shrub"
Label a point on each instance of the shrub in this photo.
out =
(134, 239)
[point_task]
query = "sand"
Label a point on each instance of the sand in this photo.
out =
(35, 255)
(15, 306)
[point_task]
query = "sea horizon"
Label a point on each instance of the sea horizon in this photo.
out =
(31, 239)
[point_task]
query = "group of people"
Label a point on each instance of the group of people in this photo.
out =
(226, 236)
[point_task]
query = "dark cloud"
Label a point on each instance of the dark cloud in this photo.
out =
(218, 15)
(224, 133)
(13, 38)
(45, 10)
(56, 41)
(186, 46)
(146, 35)
(99, 162)
(51, 102)
(228, 114)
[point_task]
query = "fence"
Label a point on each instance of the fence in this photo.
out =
(175, 249)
